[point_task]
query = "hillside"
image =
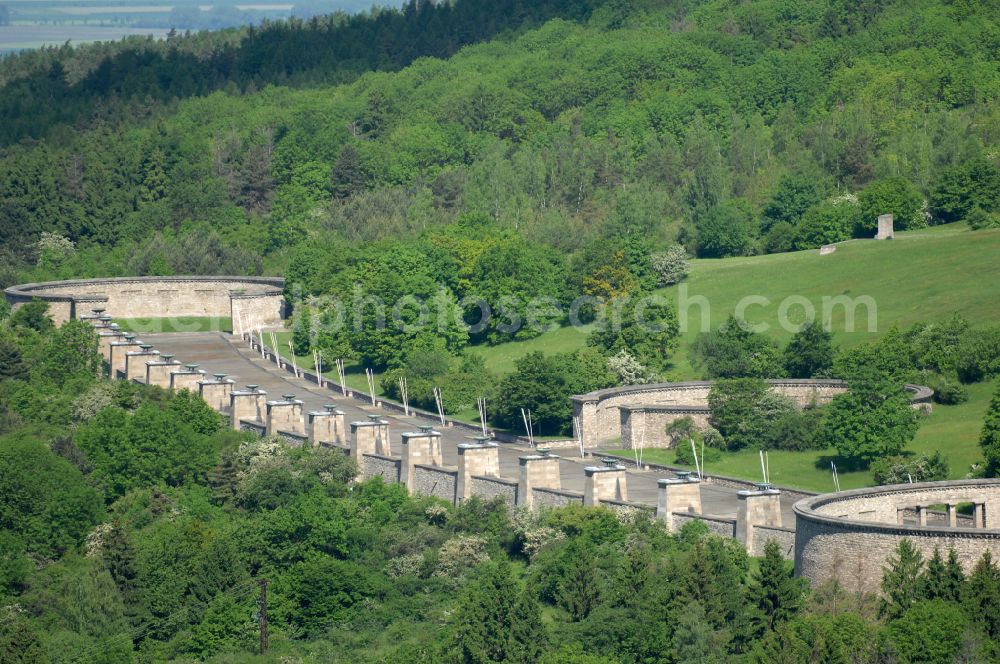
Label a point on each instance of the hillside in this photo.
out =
(407, 170)
(921, 276)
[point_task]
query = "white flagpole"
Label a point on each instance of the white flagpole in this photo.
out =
(440, 405)
(694, 451)
(291, 351)
(404, 396)
(371, 384)
(481, 403)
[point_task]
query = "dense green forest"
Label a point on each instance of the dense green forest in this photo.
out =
(137, 527)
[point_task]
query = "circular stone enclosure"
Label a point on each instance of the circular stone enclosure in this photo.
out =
(639, 414)
(849, 536)
(238, 298)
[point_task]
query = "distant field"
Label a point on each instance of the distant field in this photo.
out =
(18, 37)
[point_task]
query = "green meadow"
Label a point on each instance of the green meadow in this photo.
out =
(175, 324)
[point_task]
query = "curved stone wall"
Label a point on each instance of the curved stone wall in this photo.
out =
(160, 297)
(849, 535)
(643, 411)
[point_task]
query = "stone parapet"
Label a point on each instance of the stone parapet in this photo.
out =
(481, 459)
(285, 415)
(261, 298)
(537, 471)
(677, 495)
(247, 405)
(604, 483)
(419, 447)
(328, 426)
(436, 481)
(848, 536)
(158, 371)
(601, 420)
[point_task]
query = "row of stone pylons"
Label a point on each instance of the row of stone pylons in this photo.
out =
(416, 459)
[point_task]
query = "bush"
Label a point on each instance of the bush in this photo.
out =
(979, 355)
(779, 239)
(978, 219)
(892, 195)
(542, 383)
(810, 352)
(794, 430)
(826, 223)
(629, 370)
(900, 469)
(727, 230)
(645, 325)
(946, 391)
(869, 421)
(670, 266)
(685, 456)
(744, 410)
(733, 351)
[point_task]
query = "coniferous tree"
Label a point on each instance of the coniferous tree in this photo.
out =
(982, 597)
(954, 578)
(154, 177)
(347, 176)
(900, 581)
(301, 332)
(11, 363)
(493, 618)
(119, 558)
(528, 639)
(989, 439)
(776, 592)
(933, 578)
(580, 589)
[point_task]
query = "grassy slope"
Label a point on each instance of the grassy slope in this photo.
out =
(920, 276)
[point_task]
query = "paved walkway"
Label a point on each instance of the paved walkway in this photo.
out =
(222, 353)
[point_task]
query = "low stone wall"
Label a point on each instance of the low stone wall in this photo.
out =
(555, 497)
(377, 465)
(488, 488)
(785, 537)
(628, 509)
(708, 478)
(258, 428)
(601, 420)
(848, 536)
(435, 481)
(294, 439)
(718, 525)
(159, 297)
